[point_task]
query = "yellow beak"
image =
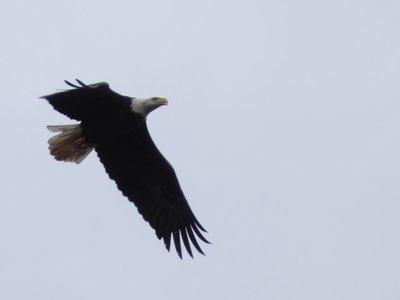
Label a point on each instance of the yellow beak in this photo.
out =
(162, 101)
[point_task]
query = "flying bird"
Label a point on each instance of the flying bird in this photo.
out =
(115, 127)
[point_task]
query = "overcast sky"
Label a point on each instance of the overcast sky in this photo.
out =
(283, 127)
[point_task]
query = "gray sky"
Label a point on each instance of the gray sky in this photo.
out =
(283, 127)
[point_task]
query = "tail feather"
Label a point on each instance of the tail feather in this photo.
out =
(69, 145)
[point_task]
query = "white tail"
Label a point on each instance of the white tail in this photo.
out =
(69, 144)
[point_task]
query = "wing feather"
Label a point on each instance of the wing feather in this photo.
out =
(147, 179)
(186, 241)
(167, 240)
(86, 101)
(177, 242)
(193, 240)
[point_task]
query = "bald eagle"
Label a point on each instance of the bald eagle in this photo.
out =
(115, 127)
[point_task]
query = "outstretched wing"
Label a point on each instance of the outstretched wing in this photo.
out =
(84, 101)
(149, 181)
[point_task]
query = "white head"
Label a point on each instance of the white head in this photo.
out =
(144, 106)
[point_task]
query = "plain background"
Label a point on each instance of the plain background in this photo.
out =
(283, 127)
